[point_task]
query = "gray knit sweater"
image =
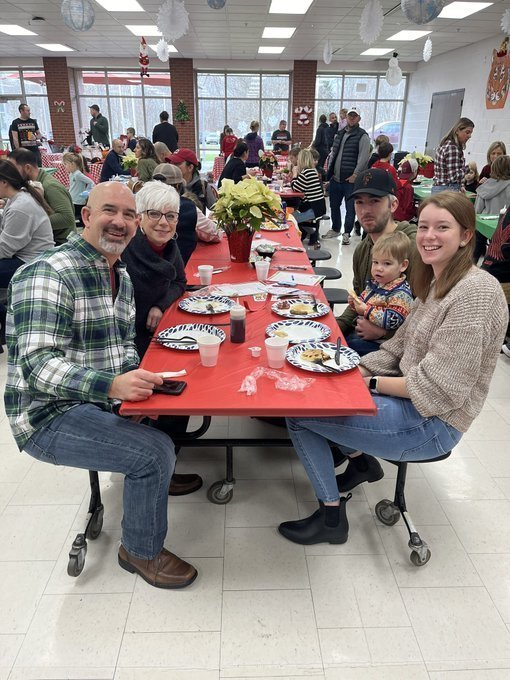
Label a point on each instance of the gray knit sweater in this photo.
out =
(447, 349)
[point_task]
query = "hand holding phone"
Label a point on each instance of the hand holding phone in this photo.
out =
(171, 387)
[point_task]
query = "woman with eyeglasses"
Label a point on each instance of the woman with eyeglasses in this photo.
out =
(153, 259)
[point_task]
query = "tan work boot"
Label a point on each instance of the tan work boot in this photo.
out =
(166, 570)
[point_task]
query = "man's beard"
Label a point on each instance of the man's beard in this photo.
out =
(113, 247)
(379, 225)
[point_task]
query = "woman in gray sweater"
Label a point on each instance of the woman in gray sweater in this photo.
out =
(429, 381)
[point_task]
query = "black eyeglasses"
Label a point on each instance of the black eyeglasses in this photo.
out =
(156, 215)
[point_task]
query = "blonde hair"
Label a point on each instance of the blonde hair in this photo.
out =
(395, 245)
(254, 126)
(493, 147)
(305, 159)
(422, 275)
(381, 139)
(461, 124)
(75, 158)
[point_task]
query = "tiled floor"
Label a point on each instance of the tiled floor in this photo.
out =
(263, 607)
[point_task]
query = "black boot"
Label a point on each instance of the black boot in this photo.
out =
(328, 524)
(359, 469)
(338, 456)
(3, 315)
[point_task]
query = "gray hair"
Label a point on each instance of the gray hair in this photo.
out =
(157, 196)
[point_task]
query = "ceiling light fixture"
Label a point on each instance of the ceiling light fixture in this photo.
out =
(461, 10)
(55, 47)
(289, 6)
(408, 35)
(376, 51)
(277, 32)
(271, 50)
(120, 5)
(145, 30)
(14, 29)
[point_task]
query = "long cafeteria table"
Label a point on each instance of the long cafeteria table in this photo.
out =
(215, 391)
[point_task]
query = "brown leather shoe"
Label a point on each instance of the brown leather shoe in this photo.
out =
(180, 485)
(166, 570)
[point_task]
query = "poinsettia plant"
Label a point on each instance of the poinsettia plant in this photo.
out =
(245, 205)
(421, 159)
(129, 160)
(267, 159)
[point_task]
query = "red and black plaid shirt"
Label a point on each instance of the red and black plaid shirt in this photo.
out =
(449, 164)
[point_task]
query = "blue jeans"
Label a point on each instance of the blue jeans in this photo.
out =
(304, 216)
(339, 191)
(88, 437)
(397, 432)
(361, 346)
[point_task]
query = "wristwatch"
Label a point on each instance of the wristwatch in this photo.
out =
(372, 384)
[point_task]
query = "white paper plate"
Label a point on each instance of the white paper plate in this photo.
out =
(279, 227)
(348, 357)
(300, 330)
(322, 309)
(193, 330)
(199, 305)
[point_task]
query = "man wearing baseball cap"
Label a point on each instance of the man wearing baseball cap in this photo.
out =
(374, 197)
(187, 161)
(348, 158)
(99, 126)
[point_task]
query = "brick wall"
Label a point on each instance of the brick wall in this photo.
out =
(303, 94)
(57, 86)
(183, 83)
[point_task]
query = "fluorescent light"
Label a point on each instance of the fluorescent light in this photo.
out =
(271, 50)
(55, 47)
(376, 51)
(408, 35)
(120, 5)
(146, 30)
(171, 48)
(289, 6)
(461, 10)
(14, 29)
(275, 32)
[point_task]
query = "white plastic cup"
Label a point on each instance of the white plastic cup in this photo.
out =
(209, 348)
(205, 274)
(262, 269)
(276, 348)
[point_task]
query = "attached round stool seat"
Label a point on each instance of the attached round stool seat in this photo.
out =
(314, 255)
(329, 274)
(336, 296)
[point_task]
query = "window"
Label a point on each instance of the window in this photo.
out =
(17, 86)
(236, 99)
(381, 106)
(125, 98)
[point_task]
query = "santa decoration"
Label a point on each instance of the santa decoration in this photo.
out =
(303, 114)
(143, 58)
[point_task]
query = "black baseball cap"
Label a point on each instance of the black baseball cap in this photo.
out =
(375, 182)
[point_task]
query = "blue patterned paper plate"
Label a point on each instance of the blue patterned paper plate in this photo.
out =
(306, 312)
(348, 357)
(212, 304)
(299, 330)
(193, 330)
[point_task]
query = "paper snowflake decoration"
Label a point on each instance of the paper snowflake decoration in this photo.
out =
(327, 54)
(162, 50)
(427, 50)
(371, 21)
(505, 22)
(173, 20)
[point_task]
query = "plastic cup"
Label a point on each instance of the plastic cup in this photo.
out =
(209, 348)
(276, 348)
(205, 274)
(262, 269)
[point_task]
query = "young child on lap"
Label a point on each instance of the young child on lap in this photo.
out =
(387, 298)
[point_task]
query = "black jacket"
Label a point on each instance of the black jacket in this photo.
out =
(321, 141)
(332, 130)
(112, 166)
(166, 133)
(235, 169)
(157, 281)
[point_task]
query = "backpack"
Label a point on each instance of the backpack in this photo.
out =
(210, 194)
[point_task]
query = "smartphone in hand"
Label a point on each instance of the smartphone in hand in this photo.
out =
(171, 387)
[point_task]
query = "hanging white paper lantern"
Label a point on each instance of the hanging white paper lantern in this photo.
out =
(371, 21)
(427, 50)
(162, 50)
(422, 11)
(505, 22)
(78, 14)
(216, 4)
(327, 54)
(173, 20)
(394, 72)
